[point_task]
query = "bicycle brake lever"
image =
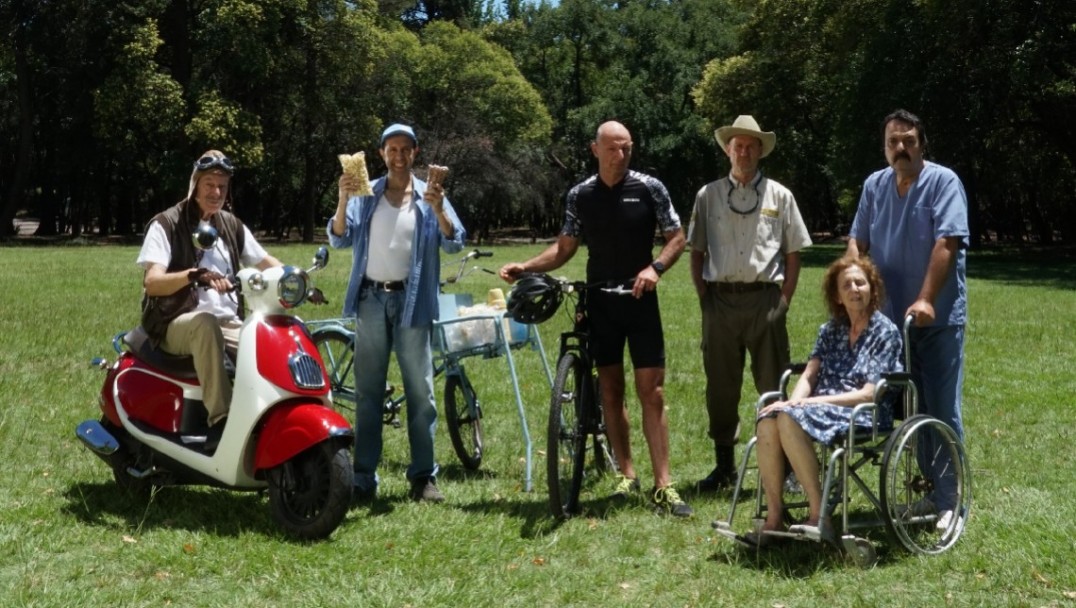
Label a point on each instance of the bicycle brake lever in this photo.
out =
(619, 290)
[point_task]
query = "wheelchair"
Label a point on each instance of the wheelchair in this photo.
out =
(917, 454)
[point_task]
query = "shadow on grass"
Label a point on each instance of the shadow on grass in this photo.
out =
(804, 558)
(535, 514)
(220, 512)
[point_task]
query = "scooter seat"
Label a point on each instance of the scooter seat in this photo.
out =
(138, 343)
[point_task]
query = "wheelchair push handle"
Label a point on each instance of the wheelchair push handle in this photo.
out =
(909, 323)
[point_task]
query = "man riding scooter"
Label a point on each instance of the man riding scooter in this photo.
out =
(187, 308)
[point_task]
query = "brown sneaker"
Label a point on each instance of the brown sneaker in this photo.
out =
(424, 489)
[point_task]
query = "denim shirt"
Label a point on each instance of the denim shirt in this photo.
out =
(424, 277)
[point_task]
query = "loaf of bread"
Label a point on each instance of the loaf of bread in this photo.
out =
(435, 174)
(355, 165)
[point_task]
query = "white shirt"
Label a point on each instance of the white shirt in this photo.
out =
(392, 231)
(157, 250)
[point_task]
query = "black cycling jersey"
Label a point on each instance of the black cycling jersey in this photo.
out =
(617, 223)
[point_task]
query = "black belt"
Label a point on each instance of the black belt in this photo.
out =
(385, 286)
(741, 287)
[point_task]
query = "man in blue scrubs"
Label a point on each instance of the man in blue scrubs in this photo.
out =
(913, 219)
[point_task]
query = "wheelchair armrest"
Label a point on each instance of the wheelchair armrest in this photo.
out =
(767, 398)
(793, 369)
(897, 377)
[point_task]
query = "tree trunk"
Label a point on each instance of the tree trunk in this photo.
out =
(16, 196)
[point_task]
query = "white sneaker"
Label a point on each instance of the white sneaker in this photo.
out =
(945, 519)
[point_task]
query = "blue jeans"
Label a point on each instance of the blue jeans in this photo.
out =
(378, 333)
(938, 372)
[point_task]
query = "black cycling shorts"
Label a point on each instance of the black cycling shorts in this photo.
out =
(616, 319)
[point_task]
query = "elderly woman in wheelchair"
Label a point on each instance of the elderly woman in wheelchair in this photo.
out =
(854, 348)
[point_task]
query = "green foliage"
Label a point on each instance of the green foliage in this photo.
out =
(983, 77)
(285, 85)
(226, 125)
(137, 101)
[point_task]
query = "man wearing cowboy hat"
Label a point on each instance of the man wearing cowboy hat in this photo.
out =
(745, 235)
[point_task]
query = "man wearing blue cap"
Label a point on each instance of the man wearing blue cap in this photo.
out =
(395, 234)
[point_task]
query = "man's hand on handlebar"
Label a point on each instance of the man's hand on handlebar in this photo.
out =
(209, 279)
(510, 272)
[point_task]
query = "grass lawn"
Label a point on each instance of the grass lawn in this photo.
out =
(68, 538)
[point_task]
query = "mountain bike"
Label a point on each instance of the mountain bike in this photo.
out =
(576, 431)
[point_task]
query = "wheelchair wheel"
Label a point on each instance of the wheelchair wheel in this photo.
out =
(924, 460)
(338, 354)
(463, 416)
(566, 438)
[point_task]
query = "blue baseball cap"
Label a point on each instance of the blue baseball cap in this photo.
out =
(397, 129)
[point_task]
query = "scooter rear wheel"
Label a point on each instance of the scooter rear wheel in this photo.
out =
(309, 495)
(140, 488)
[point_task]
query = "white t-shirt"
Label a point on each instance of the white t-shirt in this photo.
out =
(157, 250)
(392, 231)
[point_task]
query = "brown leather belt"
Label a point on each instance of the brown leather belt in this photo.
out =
(383, 286)
(741, 287)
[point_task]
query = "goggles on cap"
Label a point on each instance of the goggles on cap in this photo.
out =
(208, 162)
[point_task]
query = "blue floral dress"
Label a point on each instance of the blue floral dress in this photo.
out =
(844, 369)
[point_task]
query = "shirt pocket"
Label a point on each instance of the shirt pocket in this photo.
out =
(921, 225)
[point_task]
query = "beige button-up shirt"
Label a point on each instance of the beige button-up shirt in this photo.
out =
(746, 230)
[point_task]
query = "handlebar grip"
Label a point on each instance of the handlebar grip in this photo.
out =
(483, 254)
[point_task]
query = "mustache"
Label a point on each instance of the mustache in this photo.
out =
(904, 155)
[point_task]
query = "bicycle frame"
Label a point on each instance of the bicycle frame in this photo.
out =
(577, 342)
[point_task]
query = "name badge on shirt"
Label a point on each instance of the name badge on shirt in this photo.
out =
(770, 213)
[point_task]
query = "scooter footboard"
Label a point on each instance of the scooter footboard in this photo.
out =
(295, 426)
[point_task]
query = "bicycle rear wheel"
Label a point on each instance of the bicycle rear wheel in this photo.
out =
(463, 416)
(566, 438)
(335, 344)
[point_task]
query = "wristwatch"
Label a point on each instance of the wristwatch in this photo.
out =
(658, 267)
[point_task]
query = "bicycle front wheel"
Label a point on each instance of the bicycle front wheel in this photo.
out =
(463, 416)
(336, 346)
(566, 438)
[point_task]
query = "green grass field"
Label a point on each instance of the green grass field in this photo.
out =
(68, 538)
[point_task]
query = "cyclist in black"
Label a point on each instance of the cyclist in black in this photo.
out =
(616, 212)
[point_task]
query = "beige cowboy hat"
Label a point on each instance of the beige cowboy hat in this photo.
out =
(746, 125)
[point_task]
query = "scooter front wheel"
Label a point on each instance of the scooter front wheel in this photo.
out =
(309, 495)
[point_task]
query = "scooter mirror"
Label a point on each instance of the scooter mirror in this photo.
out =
(205, 237)
(321, 258)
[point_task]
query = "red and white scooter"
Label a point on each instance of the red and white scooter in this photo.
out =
(281, 432)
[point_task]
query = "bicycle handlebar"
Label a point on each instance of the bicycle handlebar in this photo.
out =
(462, 271)
(476, 253)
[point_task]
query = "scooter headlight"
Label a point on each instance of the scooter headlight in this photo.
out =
(293, 287)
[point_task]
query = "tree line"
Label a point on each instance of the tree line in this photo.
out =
(105, 104)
